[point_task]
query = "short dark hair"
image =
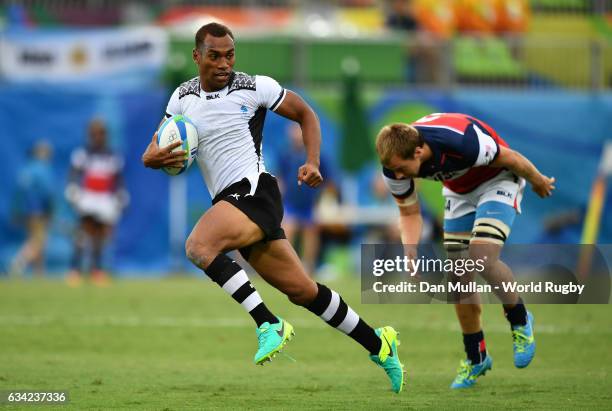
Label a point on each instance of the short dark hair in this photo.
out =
(214, 29)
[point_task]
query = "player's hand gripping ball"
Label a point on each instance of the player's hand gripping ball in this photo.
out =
(174, 129)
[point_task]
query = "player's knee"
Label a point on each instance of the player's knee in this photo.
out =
(468, 312)
(302, 294)
(190, 249)
(200, 253)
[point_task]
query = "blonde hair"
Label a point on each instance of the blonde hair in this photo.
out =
(397, 139)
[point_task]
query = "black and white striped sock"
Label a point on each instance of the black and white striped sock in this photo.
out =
(234, 281)
(332, 309)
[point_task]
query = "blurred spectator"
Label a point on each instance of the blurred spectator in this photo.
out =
(400, 15)
(476, 16)
(300, 201)
(484, 50)
(17, 16)
(512, 16)
(34, 199)
(436, 17)
(423, 46)
(492, 16)
(335, 236)
(97, 193)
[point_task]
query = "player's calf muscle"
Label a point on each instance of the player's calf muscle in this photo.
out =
(302, 294)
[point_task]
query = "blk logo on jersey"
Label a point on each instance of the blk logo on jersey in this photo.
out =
(212, 96)
(504, 193)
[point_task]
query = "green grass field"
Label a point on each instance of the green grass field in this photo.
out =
(179, 344)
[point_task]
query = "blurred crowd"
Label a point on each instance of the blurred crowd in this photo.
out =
(446, 41)
(442, 17)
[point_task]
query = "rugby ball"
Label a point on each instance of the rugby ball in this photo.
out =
(179, 128)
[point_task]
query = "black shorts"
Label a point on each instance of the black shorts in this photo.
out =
(264, 207)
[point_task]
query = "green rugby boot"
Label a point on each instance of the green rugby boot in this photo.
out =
(272, 338)
(388, 357)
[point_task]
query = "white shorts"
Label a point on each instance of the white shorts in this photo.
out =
(103, 207)
(499, 198)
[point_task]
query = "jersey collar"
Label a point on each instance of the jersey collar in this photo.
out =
(432, 165)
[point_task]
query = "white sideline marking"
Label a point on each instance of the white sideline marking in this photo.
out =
(194, 322)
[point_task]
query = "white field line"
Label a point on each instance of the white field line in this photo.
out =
(194, 322)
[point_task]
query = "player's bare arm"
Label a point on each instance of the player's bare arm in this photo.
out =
(155, 157)
(410, 220)
(410, 225)
(521, 166)
(296, 109)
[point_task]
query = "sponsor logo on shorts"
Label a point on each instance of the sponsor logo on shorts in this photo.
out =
(235, 195)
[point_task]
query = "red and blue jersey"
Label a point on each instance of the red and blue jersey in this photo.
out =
(462, 148)
(97, 170)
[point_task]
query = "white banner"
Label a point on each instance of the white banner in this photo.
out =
(69, 56)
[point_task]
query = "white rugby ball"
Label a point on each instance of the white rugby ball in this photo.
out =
(179, 128)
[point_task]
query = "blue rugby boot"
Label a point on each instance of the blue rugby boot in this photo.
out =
(468, 372)
(523, 343)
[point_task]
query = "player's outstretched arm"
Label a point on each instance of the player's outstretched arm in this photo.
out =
(155, 157)
(521, 166)
(295, 108)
